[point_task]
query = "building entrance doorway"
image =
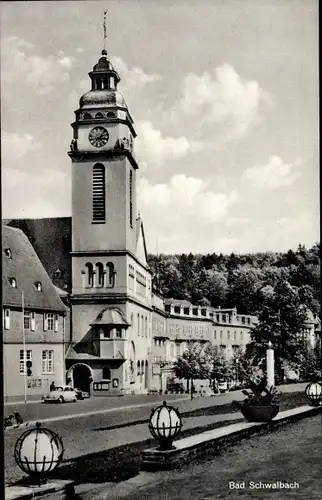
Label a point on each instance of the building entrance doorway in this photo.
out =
(82, 377)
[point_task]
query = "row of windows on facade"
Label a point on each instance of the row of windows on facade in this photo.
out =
(158, 325)
(225, 318)
(198, 330)
(142, 325)
(99, 276)
(108, 332)
(104, 83)
(13, 283)
(50, 321)
(99, 195)
(228, 334)
(140, 280)
(47, 361)
(98, 116)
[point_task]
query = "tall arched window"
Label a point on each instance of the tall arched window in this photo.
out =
(99, 208)
(131, 198)
(142, 371)
(99, 274)
(90, 275)
(110, 275)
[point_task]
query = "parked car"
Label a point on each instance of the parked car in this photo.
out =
(61, 394)
(81, 394)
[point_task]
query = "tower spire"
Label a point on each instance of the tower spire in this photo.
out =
(104, 30)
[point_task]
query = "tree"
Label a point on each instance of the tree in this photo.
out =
(189, 365)
(244, 282)
(310, 367)
(282, 322)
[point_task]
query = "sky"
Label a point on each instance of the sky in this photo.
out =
(224, 97)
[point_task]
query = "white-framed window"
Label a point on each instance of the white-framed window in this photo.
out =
(27, 320)
(25, 355)
(49, 322)
(6, 319)
(47, 361)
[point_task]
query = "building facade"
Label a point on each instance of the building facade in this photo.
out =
(35, 321)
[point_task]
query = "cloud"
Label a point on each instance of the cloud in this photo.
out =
(16, 146)
(132, 78)
(40, 73)
(273, 175)
(221, 97)
(45, 201)
(154, 150)
(184, 211)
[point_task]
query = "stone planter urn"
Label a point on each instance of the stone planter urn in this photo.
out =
(259, 413)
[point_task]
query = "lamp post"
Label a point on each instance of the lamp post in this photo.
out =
(313, 392)
(270, 365)
(37, 452)
(165, 424)
(24, 345)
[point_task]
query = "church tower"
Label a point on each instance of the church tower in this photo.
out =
(104, 167)
(111, 281)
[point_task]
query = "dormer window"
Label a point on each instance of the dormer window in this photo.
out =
(57, 274)
(8, 253)
(38, 286)
(13, 282)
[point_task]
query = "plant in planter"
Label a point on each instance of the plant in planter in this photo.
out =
(261, 403)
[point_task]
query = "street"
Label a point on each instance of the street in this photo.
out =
(86, 437)
(40, 411)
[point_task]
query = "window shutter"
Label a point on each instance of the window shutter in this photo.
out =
(45, 322)
(99, 193)
(7, 319)
(56, 323)
(33, 322)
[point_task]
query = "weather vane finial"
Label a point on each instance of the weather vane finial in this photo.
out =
(104, 27)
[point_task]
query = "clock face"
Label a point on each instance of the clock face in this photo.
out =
(98, 137)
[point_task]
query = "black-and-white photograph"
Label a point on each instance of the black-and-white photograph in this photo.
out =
(161, 303)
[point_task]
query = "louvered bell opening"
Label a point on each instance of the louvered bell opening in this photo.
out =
(99, 193)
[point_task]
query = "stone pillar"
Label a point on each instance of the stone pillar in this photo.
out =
(270, 365)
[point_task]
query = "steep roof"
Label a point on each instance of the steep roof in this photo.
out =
(23, 264)
(51, 239)
(110, 316)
